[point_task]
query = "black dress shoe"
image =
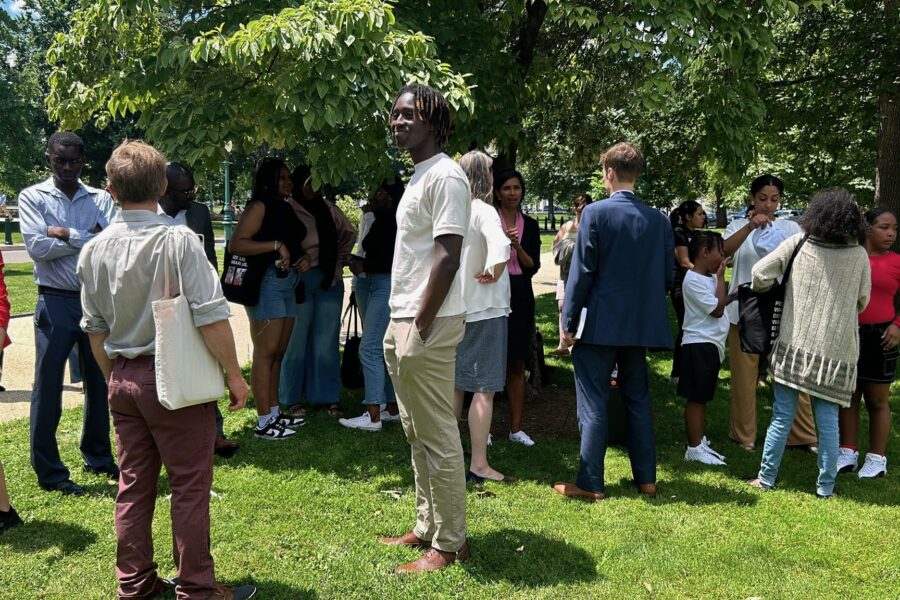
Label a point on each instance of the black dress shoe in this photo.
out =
(67, 487)
(9, 519)
(110, 471)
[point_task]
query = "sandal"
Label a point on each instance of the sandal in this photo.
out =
(560, 352)
(296, 410)
(334, 410)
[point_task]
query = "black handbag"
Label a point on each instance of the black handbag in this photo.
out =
(241, 278)
(351, 368)
(760, 312)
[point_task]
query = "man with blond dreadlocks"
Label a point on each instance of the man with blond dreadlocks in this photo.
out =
(427, 323)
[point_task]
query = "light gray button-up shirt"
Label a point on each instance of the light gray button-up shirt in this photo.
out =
(42, 206)
(122, 271)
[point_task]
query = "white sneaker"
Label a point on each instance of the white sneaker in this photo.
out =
(704, 443)
(387, 417)
(520, 437)
(701, 454)
(363, 422)
(875, 465)
(848, 460)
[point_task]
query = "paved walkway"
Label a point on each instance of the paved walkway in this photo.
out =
(18, 362)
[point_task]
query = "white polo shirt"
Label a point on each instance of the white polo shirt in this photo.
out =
(436, 202)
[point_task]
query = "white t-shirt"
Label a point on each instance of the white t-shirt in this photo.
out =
(700, 300)
(758, 244)
(486, 246)
(436, 202)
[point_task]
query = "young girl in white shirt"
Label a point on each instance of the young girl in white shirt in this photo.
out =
(703, 345)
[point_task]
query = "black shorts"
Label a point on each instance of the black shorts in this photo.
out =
(876, 365)
(699, 372)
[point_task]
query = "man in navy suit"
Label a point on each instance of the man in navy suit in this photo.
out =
(621, 268)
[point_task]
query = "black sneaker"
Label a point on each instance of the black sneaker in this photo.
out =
(289, 421)
(273, 431)
(9, 519)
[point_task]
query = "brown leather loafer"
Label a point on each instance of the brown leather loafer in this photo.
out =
(225, 447)
(647, 489)
(570, 490)
(435, 560)
(409, 539)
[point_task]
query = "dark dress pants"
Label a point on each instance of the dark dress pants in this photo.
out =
(56, 332)
(593, 368)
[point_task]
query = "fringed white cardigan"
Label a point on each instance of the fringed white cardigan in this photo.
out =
(818, 345)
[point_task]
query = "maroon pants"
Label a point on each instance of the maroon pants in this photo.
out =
(148, 436)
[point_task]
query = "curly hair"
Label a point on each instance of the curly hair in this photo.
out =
(834, 216)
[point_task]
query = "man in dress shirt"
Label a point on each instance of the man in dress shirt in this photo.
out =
(177, 207)
(122, 272)
(58, 217)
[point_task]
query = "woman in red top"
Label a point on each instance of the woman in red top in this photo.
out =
(879, 335)
(8, 516)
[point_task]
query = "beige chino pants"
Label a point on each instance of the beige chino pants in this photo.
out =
(423, 374)
(744, 370)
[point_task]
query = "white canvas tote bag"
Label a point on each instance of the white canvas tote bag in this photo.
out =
(186, 371)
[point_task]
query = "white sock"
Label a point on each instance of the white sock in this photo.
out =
(275, 410)
(263, 420)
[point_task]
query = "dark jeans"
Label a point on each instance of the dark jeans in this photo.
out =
(149, 436)
(678, 305)
(56, 332)
(593, 367)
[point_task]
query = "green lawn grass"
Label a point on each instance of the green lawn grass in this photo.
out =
(300, 518)
(21, 287)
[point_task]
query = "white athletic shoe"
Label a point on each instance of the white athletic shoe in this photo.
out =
(520, 437)
(705, 444)
(848, 460)
(701, 454)
(363, 422)
(387, 417)
(875, 465)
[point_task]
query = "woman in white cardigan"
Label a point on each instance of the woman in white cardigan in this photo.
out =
(818, 344)
(481, 356)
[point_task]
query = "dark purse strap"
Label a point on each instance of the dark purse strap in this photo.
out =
(787, 270)
(353, 315)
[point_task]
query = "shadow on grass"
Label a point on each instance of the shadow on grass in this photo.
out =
(528, 559)
(276, 590)
(684, 491)
(39, 536)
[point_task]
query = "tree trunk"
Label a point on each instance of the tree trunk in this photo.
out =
(529, 31)
(721, 213)
(887, 157)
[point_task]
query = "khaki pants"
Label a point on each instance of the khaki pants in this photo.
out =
(423, 374)
(744, 370)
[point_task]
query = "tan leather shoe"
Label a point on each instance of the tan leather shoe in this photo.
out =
(409, 539)
(435, 560)
(647, 489)
(226, 592)
(225, 447)
(570, 490)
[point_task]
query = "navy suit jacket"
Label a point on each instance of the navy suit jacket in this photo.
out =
(621, 269)
(199, 221)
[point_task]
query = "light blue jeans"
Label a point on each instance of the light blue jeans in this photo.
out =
(776, 438)
(372, 294)
(311, 368)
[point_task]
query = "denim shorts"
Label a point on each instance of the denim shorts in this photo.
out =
(276, 297)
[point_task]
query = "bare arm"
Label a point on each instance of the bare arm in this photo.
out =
(736, 239)
(721, 292)
(242, 242)
(220, 341)
(681, 254)
(447, 250)
(103, 360)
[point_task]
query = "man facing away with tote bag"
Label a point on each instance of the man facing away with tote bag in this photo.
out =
(122, 271)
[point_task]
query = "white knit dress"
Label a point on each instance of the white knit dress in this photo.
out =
(818, 345)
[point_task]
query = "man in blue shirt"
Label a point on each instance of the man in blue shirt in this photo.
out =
(58, 217)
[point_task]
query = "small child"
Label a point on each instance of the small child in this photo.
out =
(703, 344)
